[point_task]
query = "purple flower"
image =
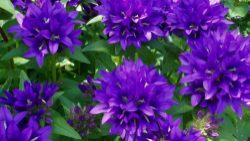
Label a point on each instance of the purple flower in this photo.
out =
(21, 3)
(208, 124)
(47, 29)
(10, 129)
(132, 98)
(169, 130)
(73, 2)
(81, 120)
(35, 99)
(130, 21)
(214, 1)
(216, 72)
(89, 11)
(195, 17)
(88, 87)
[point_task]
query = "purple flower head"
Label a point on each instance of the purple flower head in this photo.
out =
(208, 124)
(132, 98)
(23, 4)
(216, 72)
(164, 7)
(214, 1)
(47, 29)
(35, 99)
(88, 87)
(89, 11)
(195, 17)
(82, 121)
(130, 21)
(73, 2)
(11, 131)
(169, 130)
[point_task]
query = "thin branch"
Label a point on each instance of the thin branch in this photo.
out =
(3, 34)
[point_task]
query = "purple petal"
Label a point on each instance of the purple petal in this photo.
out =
(101, 108)
(53, 47)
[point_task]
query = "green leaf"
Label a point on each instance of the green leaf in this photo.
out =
(20, 61)
(61, 127)
(79, 56)
(23, 77)
(99, 46)
(181, 108)
(14, 53)
(239, 11)
(105, 61)
(105, 129)
(95, 20)
(57, 96)
(6, 9)
(6, 85)
(67, 104)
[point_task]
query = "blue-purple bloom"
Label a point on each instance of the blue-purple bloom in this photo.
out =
(47, 29)
(35, 99)
(73, 2)
(208, 124)
(89, 11)
(196, 17)
(81, 120)
(133, 97)
(169, 130)
(216, 72)
(21, 3)
(10, 129)
(130, 21)
(88, 87)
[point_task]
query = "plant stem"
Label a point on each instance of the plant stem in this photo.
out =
(5, 39)
(53, 67)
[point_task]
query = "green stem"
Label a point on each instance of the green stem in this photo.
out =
(6, 40)
(53, 67)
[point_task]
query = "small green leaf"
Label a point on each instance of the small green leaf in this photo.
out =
(67, 104)
(61, 127)
(95, 20)
(79, 56)
(23, 77)
(57, 95)
(7, 84)
(6, 9)
(17, 52)
(181, 108)
(239, 11)
(20, 61)
(105, 61)
(99, 46)
(105, 129)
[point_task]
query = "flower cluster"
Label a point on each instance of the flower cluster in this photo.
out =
(11, 129)
(35, 99)
(216, 72)
(73, 2)
(208, 124)
(21, 3)
(89, 11)
(169, 130)
(131, 21)
(195, 17)
(47, 29)
(133, 98)
(81, 120)
(88, 87)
